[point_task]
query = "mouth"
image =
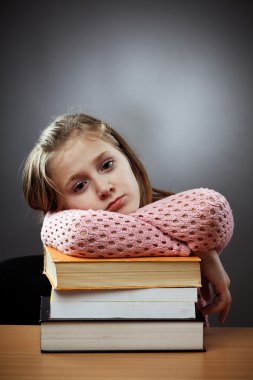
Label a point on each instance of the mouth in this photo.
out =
(116, 204)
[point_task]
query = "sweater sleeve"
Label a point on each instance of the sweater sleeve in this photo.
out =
(194, 220)
(88, 233)
(201, 218)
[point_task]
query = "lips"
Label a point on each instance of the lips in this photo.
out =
(116, 204)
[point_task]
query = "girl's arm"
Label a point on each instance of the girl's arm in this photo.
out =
(196, 220)
(89, 233)
(201, 218)
(215, 285)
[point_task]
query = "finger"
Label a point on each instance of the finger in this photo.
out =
(206, 291)
(216, 306)
(224, 313)
(211, 308)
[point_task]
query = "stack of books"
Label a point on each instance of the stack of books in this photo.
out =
(121, 304)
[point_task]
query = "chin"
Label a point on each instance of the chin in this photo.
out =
(127, 210)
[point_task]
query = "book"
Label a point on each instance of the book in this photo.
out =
(146, 294)
(69, 272)
(78, 335)
(157, 303)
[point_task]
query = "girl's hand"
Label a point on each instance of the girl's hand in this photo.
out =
(215, 285)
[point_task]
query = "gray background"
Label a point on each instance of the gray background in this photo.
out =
(174, 77)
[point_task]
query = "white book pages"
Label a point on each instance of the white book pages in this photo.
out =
(126, 310)
(153, 294)
(108, 336)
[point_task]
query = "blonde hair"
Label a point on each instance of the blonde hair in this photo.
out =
(39, 189)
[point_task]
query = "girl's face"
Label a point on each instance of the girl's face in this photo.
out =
(92, 174)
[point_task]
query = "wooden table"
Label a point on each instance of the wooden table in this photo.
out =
(229, 356)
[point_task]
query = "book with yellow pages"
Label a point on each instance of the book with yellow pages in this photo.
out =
(69, 272)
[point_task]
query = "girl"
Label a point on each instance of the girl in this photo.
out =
(98, 202)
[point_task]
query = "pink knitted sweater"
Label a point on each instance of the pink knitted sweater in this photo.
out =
(194, 220)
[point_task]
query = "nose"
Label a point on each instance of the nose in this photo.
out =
(104, 190)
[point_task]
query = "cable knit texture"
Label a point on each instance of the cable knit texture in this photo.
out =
(194, 220)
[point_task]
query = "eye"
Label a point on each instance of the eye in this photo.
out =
(80, 186)
(107, 165)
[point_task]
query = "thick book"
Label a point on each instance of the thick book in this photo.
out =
(160, 303)
(69, 272)
(77, 335)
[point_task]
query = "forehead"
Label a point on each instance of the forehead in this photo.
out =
(76, 151)
(87, 144)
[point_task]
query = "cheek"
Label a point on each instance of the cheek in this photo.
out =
(131, 180)
(135, 189)
(77, 203)
(127, 178)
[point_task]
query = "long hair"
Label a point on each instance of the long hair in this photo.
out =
(39, 189)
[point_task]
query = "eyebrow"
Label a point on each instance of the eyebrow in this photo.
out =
(75, 176)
